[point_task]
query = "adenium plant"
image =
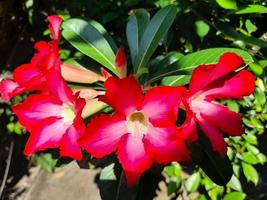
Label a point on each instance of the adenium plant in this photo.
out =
(144, 126)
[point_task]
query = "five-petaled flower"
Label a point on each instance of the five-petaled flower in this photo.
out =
(218, 81)
(53, 118)
(142, 130)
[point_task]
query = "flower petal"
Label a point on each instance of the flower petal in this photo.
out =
(103, 135)
(36, 108)
(29, 76)
(58, 87)
(124, 95)
(45, 134)
(9, 89)
(163, 147)
(161, 104)
(221, 117)
(215, 137)
(242, 84)
(54, 26)
(133, 157)
(204, 75)
(69, 144)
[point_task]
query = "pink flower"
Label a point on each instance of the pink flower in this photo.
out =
(142, 130)
(28, 77)
(211, 82)
(53, 119)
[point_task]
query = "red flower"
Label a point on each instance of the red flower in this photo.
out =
(210, 82)
(53, 119)
(32, 76)
(142, 130)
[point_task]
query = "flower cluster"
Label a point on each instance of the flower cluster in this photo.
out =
(143, 128)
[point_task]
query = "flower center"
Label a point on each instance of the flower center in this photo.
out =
(67, 113)
(137, 124)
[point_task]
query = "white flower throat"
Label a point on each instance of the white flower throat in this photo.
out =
(137, 124)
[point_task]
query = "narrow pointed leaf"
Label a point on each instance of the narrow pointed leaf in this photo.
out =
(135, 28)
(186, 64)
(88, 40)
(155, 31)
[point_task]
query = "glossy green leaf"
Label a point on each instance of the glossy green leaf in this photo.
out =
(258, 9)
(192, 183)
(88, 40)
(202, 28)
(154, 32)
(135, 28)
(235, 184)
(227, 4)
(176, 80)
(186, 64)
(250, 173)
(104, 32)
(235, 196)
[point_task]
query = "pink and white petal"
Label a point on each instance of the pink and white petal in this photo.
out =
(242, 84)
(69, 146)
(58, 87)
(227, 63)
(124, 95)
(103, 134)
(163, 147)
(36, 108)
(161, 104)
(54, 26)
(29, 76)
(221, 117)
(45, 134)
(9, 89)
(215, 136)
(133, 157)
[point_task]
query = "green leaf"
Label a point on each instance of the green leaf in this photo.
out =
(250, 26)
(250, 173)
(202, 28)
(104, 32)
(250, 138)
(154, 32)
(186, 64)
(249, 158)
(233, 105)
(176, 80)
(88, 40)
(235, 196)
(235, 184)
(256, 68)
(227, 4)
(45, 161)
(192, 183)
(107, 173)
(135, 28)
(258, 9)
